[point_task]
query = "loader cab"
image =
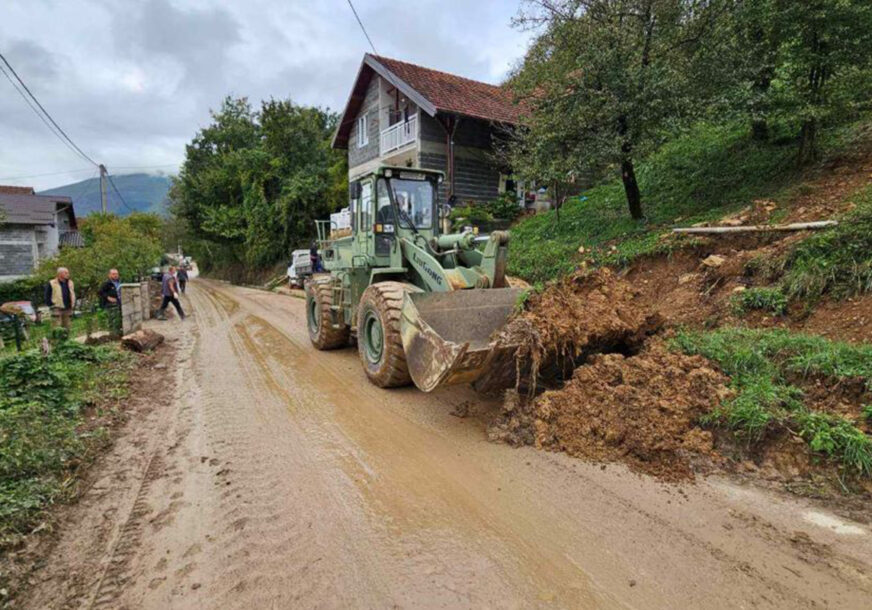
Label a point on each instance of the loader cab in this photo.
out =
(390, 203)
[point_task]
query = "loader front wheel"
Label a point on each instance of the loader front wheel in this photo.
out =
(320, 319)
(378, 335)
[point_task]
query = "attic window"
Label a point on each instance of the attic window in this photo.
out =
(362, 135)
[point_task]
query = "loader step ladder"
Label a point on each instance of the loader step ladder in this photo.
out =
(339, 294)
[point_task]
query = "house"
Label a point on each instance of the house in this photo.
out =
(406, 115)
(32, 228)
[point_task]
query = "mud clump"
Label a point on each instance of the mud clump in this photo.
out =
(579, 316)
(642, 410)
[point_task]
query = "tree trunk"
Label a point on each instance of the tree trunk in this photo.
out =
(807, 143)
(143, 340)
(631, 188)
(760, 130)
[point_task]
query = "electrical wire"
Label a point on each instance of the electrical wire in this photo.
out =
(48, 116)
(37, 112)
(69, 171)
(117, 192)
(360, 23)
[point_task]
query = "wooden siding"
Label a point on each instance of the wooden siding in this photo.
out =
(360, 155)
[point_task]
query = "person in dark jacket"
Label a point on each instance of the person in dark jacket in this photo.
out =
(170, 291)
(60, 297)
(182, 277)
(110, 290)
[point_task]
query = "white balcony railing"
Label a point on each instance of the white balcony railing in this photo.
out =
(397, 136)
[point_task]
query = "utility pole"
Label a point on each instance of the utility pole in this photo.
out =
(103, 186)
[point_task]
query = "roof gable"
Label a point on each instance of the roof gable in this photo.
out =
(432, 90)
(33, 209)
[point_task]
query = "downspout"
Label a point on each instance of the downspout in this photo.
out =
(450, 127)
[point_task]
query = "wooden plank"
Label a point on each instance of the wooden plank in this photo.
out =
(796, 226)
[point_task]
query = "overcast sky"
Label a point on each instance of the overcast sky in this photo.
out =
(131, 81)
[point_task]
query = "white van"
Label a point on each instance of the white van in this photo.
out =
(299, 269)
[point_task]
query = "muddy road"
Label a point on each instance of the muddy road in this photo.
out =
(275, 476)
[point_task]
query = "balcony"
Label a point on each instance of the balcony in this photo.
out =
(397, 136)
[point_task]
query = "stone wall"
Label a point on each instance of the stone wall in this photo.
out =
(134, 306)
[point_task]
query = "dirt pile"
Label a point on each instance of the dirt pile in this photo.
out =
(642, 410)
(584, 314)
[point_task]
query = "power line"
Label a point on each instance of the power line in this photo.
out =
(360, 23)
(69, 171)
(117, 192)
(36, 111)
(53, 122)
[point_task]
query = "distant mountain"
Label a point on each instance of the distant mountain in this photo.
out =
(141, 192)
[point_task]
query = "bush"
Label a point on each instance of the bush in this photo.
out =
(504, 207)
(41, 425)
(766, 299)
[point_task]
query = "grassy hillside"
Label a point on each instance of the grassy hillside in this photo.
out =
(141, 192)
(701, 176)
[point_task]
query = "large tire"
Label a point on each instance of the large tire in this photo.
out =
(319, 317)
(379, 343)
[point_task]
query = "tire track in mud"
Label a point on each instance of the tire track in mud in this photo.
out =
(115, 574)
(269, 555)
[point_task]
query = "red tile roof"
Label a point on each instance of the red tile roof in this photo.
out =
(433, 91)
(456, 94)
(16, 190)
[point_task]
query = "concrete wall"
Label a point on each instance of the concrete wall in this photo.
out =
(18, 251)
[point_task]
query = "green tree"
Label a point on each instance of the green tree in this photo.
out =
(253, 182)
(110, 242)
(823, 44)
(604, 80)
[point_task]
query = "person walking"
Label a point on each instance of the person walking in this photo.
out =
(110, 300)
(170, 291)
(60, 297)
(182, 277)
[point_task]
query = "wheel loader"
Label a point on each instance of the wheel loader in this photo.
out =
(424, 304)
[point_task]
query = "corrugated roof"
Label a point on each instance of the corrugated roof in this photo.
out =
(433, 91)
(30, 209)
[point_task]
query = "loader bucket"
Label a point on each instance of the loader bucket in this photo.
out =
(448, 336)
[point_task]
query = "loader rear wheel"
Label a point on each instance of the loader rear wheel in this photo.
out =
(378, 335)
(319, 318)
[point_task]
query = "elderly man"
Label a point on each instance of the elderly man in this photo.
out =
(60, 296)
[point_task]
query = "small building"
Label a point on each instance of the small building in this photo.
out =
(32, 228)
(406, 115)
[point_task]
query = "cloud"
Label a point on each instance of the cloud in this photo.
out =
(133, 80)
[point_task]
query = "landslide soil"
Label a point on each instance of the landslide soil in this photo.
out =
(613, 397)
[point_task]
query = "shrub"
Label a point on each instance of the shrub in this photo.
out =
(766, 299)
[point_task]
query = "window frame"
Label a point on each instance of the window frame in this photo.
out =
(362, 131)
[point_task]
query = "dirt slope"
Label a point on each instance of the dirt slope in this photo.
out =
(276, 476)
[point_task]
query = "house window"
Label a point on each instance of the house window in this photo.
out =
(362, 134)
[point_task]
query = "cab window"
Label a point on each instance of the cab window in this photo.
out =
(366, 206)
(415, 201)
(384, 213)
